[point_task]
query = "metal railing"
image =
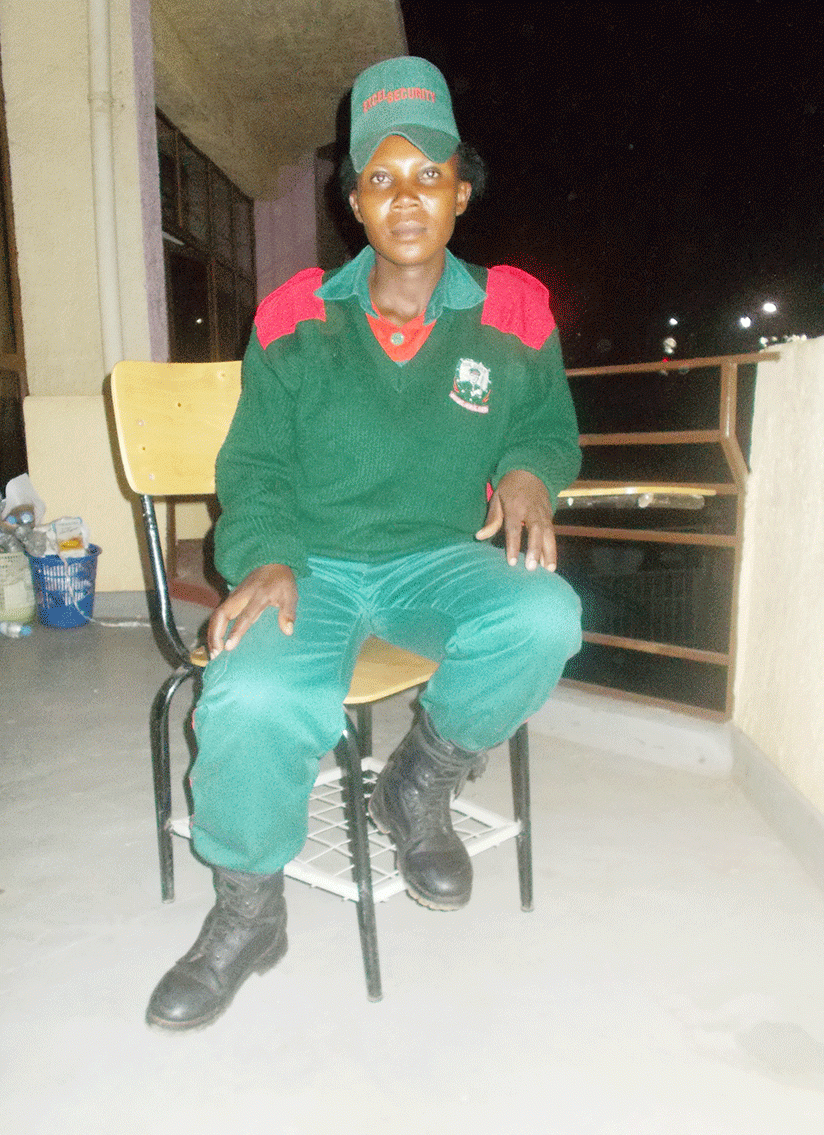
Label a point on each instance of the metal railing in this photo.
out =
(665, 617)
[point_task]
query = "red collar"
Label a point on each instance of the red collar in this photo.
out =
(400, 343)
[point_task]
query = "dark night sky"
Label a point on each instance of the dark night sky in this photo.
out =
(646, 161)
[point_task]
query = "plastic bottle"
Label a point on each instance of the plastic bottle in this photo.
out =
(15, 630)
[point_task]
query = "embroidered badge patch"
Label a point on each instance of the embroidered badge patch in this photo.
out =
(471, 386)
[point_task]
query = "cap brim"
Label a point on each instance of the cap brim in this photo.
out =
(436, 144)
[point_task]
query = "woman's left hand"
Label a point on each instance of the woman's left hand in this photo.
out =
(522, 501)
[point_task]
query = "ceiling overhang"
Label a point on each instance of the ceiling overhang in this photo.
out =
(256, 84)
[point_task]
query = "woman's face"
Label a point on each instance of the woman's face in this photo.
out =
(407, 203)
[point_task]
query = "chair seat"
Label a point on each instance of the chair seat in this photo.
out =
(381, 671)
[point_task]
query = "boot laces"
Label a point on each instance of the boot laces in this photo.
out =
(452, 775)
(240, 905)
(432, 801)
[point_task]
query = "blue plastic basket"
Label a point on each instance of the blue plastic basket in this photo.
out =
(64, 588)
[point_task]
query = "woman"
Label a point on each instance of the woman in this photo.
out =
(379, 403)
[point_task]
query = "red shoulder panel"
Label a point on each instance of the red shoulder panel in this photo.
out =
(288, 305)
(518, 304)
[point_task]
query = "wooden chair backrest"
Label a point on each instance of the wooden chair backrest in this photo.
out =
(171, 419)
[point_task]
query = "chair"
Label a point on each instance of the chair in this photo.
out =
(171, 419)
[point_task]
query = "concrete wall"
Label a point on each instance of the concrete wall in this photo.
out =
(68, 432)
(46, 80)
(47, 86)
(779, 704)
(47, 112)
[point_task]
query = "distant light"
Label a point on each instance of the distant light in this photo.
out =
(769, 307)
(672, 321)
(745, 321)
(669, 346)
(198, 321)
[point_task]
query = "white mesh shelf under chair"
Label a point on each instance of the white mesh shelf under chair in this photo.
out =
(346, 855)
(325, 861)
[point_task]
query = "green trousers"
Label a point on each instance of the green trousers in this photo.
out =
(271, 708)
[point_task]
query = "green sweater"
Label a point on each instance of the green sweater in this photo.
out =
(336, 450)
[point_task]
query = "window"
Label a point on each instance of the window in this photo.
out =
(208, 237)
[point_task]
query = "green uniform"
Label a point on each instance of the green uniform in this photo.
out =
(338, 451)
(369, 478)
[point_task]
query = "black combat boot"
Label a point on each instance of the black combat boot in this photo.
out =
(244, 932)
(411, 803)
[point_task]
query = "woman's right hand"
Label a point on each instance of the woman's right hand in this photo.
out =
(270, 586)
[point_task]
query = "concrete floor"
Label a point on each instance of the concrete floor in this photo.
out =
(668, 981)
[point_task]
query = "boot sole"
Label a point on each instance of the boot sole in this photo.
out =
(422, 899)
(264, 963)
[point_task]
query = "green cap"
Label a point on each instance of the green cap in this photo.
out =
(406, 96)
